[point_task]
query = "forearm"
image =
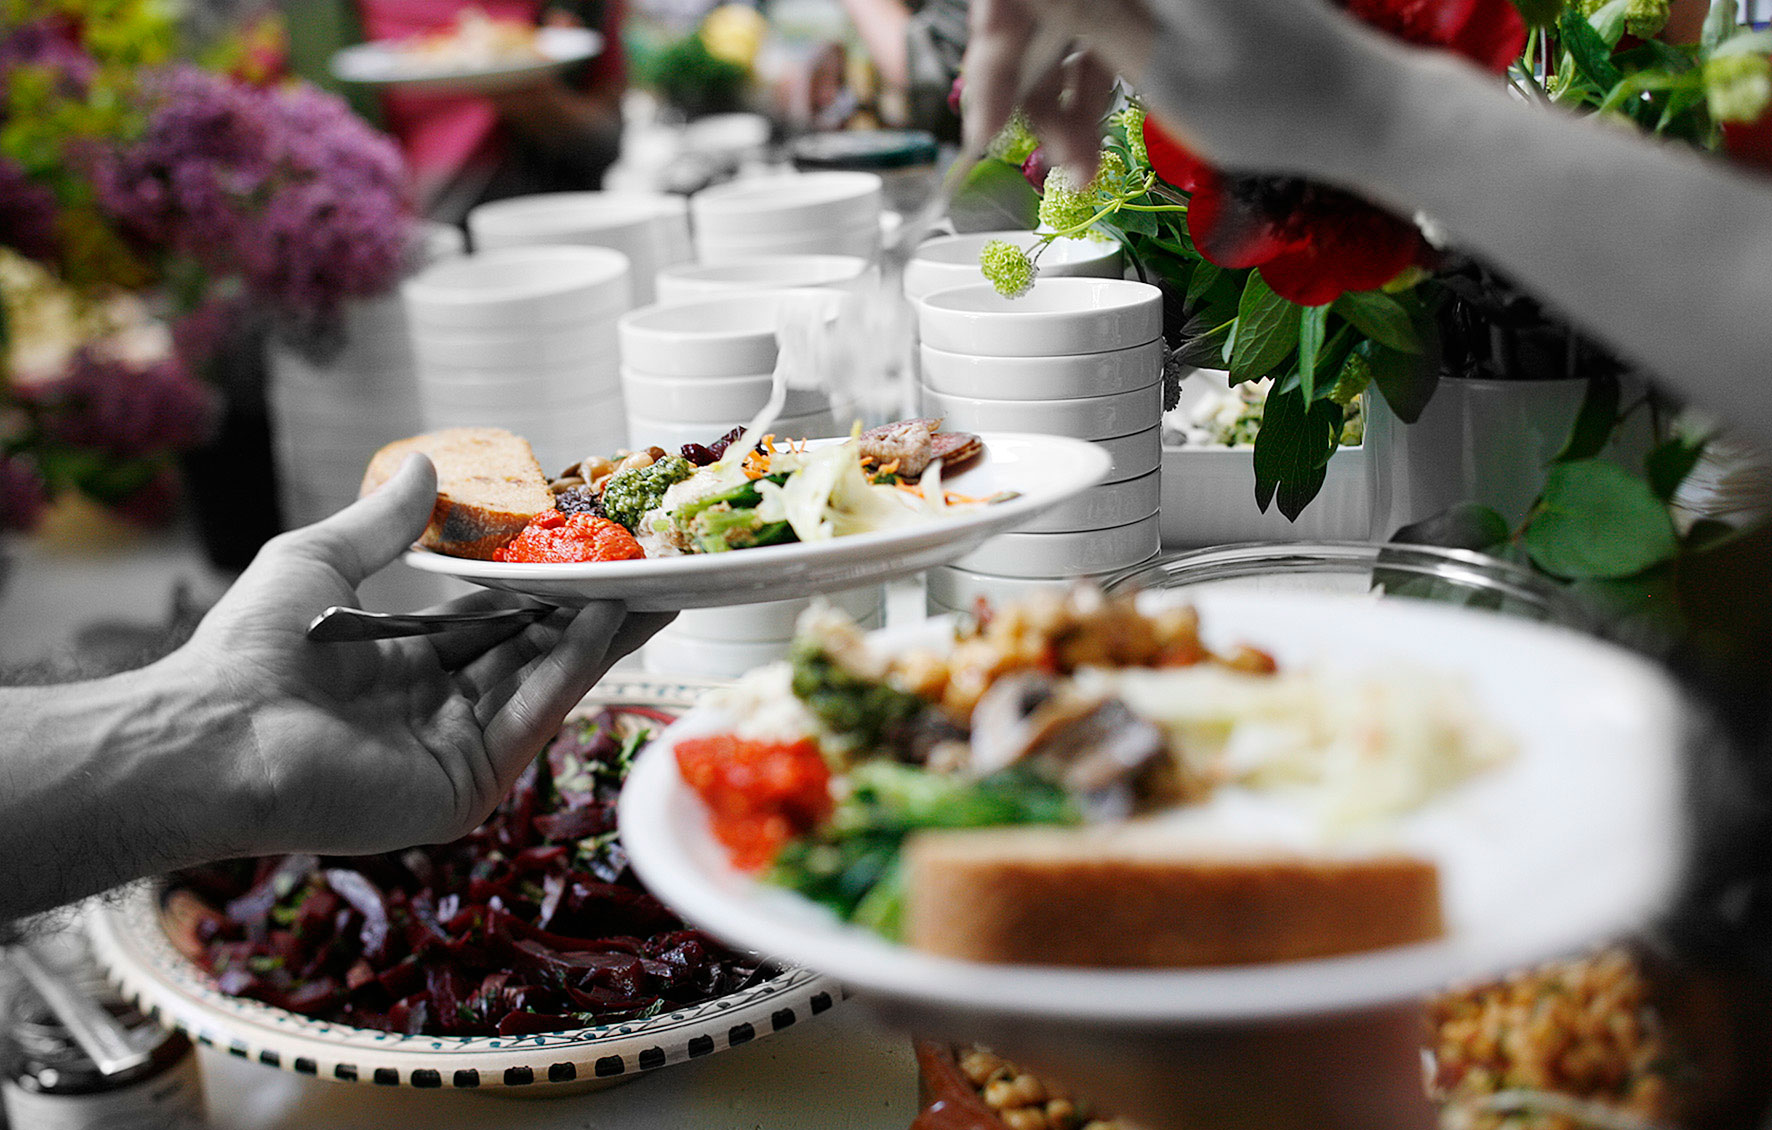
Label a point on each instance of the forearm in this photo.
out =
(112, 779)
(883, 25)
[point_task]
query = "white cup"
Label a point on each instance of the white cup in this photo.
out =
(652, 230)
(518, 287)
(729, 335)
(686, 282)
(695, 399)
(1091, 417)
(1042, 378)
(1066, 554)
(1055, 318)
(952, 260)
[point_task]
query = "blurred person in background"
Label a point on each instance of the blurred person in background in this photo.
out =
(916, 46)
(559, 133)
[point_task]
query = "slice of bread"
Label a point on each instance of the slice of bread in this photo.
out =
(1102, 897)
(489, 486)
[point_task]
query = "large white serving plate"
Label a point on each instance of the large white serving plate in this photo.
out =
(1045, 470)
(130, 942)
(390, 63)
(1578, 838)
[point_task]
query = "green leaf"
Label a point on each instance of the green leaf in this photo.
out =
(1594, 423)
(1609, 20)
(1463, 525)
(1205, 351)
(1266, 334)
(1406, 380)
(1264, 492)
(1594, 520)
(1312, 324)
(1590, 51)
(1381, 317)
(1539, 13)
(1669, 462)
(995, 197)
(1296, 494)
(1136, 223)
(1204, 276)
(1292, 448)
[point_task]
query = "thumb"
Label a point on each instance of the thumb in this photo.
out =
(383, 524)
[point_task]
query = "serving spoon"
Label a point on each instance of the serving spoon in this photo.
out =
(343, 624)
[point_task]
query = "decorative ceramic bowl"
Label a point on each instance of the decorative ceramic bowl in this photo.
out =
(129, 940)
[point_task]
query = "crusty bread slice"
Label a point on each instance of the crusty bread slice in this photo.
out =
(489, 486)
(1096, 896)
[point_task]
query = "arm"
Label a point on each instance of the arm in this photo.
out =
(1666, 255)
(251, 739)
(883, 26)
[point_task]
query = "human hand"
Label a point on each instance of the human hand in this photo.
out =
(358, 747)
(1255, 85)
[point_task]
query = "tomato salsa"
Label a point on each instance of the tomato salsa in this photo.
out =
(760, 794)
(557, 538)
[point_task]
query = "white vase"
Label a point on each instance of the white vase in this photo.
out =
(1484, 441)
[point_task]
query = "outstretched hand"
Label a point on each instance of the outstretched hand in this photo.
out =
(363, 747)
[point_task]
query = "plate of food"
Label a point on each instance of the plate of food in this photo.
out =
(784, 519)
(523, 956)
(1103, 810)
(473, 53)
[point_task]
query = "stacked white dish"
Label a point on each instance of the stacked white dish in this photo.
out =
(330, 415)
(686, 282)
(726, 642)
(693, 371)
(1080, 357)
(818, 213)
(652, 230)
(952, 260)
(524, 338)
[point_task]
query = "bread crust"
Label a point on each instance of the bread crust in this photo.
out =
(489, 485)
(1069, 896)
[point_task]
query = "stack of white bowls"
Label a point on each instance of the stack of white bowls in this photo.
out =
(692, 371)
(652, 230)
(686, 282)
(329, 415)
(523, 338)
(726, 642)
(1079, 357)
(949, 261)
(819, 213)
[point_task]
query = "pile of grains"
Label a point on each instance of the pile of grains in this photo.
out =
(1024, 1101)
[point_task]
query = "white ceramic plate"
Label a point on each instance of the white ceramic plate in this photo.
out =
(1576, 839)
(393, 64)
(129, 942)
(1046, 470)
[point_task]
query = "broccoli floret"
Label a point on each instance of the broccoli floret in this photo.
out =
(720, 528)
(631, 493)
(743, 495)
(859, 710)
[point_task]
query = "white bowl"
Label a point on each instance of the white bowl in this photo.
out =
(956, 589)
(673, 434)
(1209, 499)
(730, 335)
(665, 654)
(776, 619)
(1137, 454)
(1057, 317)
(694, 399)
(861, 241)
(652, 230)
(685, 282)
(1101, 507)
(1042, 378)
(552, 392)
(952, 260)
(560, 345)
(518, 286)
(1020, 554)
(788, 203)
(1090, 417)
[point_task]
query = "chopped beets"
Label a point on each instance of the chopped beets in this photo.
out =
(719, 446)
(698, 454)
(530, 923)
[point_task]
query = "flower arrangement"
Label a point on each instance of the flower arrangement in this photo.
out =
(125, 173)
(1330, 296)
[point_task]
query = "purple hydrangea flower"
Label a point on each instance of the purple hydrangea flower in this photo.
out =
(124, 409)
(22, 493)
(28, 214)
(53, 43)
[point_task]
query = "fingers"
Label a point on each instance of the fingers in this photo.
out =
(462, 645)
(1000, 33)
(378, 527)
(1066, 108)
(529, 703)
